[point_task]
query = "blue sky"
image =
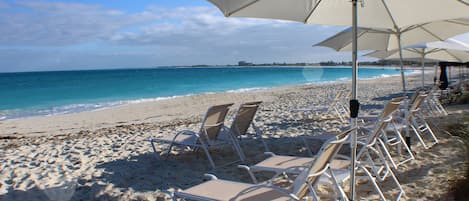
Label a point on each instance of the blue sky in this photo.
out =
(42, 35)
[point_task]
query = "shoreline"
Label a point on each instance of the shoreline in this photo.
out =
(140, 110)
(96, 106)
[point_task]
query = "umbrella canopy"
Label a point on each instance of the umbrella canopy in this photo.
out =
(381, 14)
(450, 50)
(387, 39)
(373, 13)
(394, 38)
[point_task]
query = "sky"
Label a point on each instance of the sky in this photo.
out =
(40, 35)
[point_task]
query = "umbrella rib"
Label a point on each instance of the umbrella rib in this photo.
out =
(390, 16)
(241, 8)
(432, 34)
(435, 50)
(414, 50)
(410, 28)
(457, 22)
(346, 44)
(312, 11)
(462, 1)
(452, 55)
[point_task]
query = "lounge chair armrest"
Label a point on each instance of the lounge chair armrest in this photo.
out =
(341, 156)
(251, 174)
(244, 167)
(319, 172)
(300, 168)
(211, 176)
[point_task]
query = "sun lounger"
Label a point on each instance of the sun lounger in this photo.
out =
(209, 135)
(434, 106)
(303, 185)
(415, 120)
(336, 106)
(243, 119)
(394, 146)
(375, 168)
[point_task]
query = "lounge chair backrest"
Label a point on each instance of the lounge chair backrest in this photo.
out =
(244, 117)
(339, 95)
(418, 101)
(214, 121)
(336, 100)
(380, 127)
(399, 99)
(349, 94)
(325, 155)
(390, 108)
(414, 97)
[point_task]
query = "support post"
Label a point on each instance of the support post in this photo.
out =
(423, 70)
(354, 105)
(398, 34)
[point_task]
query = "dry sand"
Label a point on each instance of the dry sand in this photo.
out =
(102, 155)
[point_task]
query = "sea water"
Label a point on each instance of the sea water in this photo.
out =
(47, 93)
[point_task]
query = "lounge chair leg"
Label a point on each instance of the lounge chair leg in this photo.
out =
(419, 134)
(375, 185)
(404, 144)
(431, 132)
(236, 145)
(259, 135)
(251, 174)
(336, 187)
(310, 152)
(209, 157)
(169, 151)
(386, 153)
(157, 154)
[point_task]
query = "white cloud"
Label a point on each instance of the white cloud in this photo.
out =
(51, 35)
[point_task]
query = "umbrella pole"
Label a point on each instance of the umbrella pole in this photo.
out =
(400, 60)
(408, 139)
(423, 71)
(354, 105)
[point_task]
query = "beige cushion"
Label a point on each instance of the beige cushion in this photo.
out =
(276, 163)
(228, 190)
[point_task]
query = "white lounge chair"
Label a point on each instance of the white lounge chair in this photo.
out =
(394, 146)
(243, 120)
(212, 132)
(336, 107)
(372, 158)
(433, 105)
(415, 120)
(303, 186)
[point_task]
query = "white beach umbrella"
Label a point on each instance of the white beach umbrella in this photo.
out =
(394, 39)
(450, 50)
(386, 14)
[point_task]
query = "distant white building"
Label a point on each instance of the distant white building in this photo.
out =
(244, 63)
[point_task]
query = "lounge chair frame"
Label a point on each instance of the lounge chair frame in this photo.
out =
(303, 184)
(203, 139)
(336, 106)
(243, 119)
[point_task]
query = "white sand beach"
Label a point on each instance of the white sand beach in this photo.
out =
(102, 155)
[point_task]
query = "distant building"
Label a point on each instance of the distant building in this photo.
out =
(244, 63)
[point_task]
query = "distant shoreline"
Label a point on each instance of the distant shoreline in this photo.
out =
(219, 66)
(147, 82)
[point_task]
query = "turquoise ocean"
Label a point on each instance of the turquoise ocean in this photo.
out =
(58, 92)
